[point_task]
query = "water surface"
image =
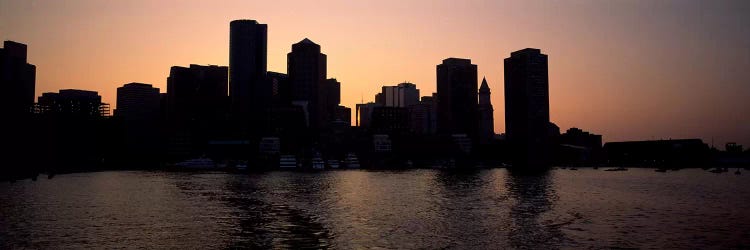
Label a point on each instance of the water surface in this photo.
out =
(481, 209)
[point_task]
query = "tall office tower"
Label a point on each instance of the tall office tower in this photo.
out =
(17, 79)
(402, 95)
(527, 109)
(138, 111)
(486, 118)
(306, 67)
(457, 97)
(249, 89)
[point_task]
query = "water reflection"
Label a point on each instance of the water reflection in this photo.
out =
(416, 209)
(534, 195)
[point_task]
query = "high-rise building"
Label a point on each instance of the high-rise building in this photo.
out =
(343, 114)
(364, 114)
(486, 117)
(17, 79)
(422, 116)
(249, 89)
(457, 97)
(329, 96)
(527, 109)
(138, 111)
(306, 67)
(137, 102)
(19, 132)
(280, 92)
(402, 95)
(196, 108)
(389, 120)
(196, 93)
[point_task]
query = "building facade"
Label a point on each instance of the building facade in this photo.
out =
(249, 89)
(486, 116)
(402, 95)
(306, 67)
(137, 102)
(17, 79)
(527, 109)
(457, 111)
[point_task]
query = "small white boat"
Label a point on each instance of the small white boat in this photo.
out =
(287, 161)
(351, 161)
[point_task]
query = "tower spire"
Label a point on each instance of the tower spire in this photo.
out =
(484, 87)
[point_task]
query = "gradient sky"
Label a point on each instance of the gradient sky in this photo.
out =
(629, 70)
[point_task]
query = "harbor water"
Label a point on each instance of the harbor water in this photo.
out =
(432, 209)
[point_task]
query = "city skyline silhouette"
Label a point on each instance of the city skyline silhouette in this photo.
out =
(420, 124)
(669, 80)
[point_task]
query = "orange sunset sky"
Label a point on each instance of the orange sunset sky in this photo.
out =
(629, 70)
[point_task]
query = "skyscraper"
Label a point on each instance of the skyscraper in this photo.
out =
(527, 109)
(138, 111)
(486, 117)
(306, 67)
(249, 90)
(457, 97)
(17, 79)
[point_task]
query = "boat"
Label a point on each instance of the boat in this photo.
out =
(351, 161)
(573, 168)
(717, 171)
(661, 170)
(287, 161)
(241, 167)
(334, 164)
(317, 162)
(197, 163)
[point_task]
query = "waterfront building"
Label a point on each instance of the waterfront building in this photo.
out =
(457, 111)
(527, 121)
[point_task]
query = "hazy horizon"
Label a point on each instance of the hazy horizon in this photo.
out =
(629, 70)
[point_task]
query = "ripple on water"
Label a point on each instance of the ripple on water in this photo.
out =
(485, 209)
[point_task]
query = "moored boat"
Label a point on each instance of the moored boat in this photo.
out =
(317, 162)
(333, 164)
(287, 161)
(351, 161)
